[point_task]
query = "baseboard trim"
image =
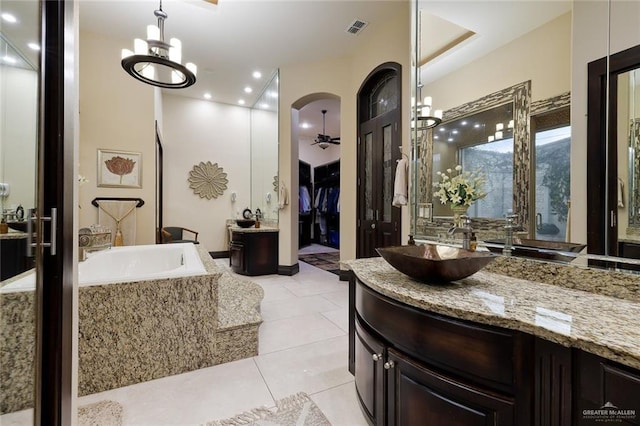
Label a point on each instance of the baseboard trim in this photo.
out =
(345, 274)
(288, 270)
(219, 254)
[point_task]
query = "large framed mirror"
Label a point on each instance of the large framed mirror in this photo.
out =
(505, 116)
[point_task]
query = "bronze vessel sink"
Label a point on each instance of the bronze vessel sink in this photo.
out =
(435, 263)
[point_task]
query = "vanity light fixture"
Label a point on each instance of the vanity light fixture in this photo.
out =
(428, 118)
(156, 62)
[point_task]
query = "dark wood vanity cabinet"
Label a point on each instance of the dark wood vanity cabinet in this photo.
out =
(424, 371)
(254, 252)
(414, 367)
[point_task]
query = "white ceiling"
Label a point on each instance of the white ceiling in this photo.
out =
(230, 40)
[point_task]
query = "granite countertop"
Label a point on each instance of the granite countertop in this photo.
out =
(600, 324)
(236, 228)
(13, 235)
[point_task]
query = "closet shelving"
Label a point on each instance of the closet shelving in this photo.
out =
(305, 217)
(326, 196)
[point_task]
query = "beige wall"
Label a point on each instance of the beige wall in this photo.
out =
(542, 56)
(199, 131)
(116, 113)
(341, 77)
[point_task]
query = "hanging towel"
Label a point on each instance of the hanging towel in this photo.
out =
(119, 215)
(283, 196)
(620, 193)
(400, 188)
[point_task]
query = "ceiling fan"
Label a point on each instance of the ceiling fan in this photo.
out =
(323, 140)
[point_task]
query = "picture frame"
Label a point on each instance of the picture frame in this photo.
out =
(119, 169)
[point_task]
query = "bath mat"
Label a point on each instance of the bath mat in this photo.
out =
(293, 410)
(102, 413)
(327, 261)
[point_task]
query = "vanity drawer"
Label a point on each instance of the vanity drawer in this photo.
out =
(485, 355)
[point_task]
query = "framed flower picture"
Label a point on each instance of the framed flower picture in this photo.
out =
(119, 169)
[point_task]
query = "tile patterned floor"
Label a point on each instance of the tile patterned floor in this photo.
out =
(303, 347)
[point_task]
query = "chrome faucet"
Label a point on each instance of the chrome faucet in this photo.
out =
(509, 227)
(466, 231)
(94, 238)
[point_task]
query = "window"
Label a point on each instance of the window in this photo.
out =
(495, 161)
(552, 155)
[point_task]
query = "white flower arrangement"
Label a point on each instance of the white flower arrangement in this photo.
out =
(460, 188)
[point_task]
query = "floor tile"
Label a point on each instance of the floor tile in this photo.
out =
(192, 398)
(340, 405)
(273, 292)
(317, 248)
(292, 307)
(310, 368)
(339, 297)
(339, 317)
(291, 332)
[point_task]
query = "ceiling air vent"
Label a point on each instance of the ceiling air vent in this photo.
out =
(356, 26)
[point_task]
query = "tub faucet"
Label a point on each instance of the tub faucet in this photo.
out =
(466, 231)
(92, 239)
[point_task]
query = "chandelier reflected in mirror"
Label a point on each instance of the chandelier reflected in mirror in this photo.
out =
(156, 62)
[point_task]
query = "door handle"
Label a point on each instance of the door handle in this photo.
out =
(53, 218)
(538, 221)
(373, 226)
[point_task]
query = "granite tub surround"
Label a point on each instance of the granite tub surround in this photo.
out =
(137, 331)
(17, 350)
(238, 318)
(603, 325)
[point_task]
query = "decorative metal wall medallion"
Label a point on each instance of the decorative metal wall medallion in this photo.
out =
(208, 180)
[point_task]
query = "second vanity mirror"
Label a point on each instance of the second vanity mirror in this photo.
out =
(505, 116)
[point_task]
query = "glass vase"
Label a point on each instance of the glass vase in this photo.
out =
(457, 212)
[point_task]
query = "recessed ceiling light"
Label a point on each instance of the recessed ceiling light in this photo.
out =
(450, 139)
(248, 89)
(442, 129)
(264, 105)
(305, 125)
(9, 18)
(463, 123)
(436, 137)
(207, 95)
(241, 101)
(257, 74)
(477, 125)
(9, 60)
(273, 94)
(454, 131)
(33, 46)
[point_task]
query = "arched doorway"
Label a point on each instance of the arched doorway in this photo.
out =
(318, 141)
(379, 142)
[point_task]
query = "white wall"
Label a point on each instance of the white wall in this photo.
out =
(19, 110)
(116, 113)
(199, 131)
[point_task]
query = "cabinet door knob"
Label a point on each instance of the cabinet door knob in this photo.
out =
(377, 357)
(388, 365)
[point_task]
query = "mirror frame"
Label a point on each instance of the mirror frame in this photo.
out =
(602, 227)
